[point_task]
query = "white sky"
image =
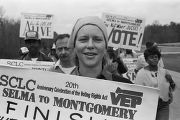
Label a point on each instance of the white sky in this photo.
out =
(66, 12)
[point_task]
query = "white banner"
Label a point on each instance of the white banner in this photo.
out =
(43, 23)
(131, 65)
(27, 94)
(35, 65)
(124, 31)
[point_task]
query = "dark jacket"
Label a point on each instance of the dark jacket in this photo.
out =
(104, 76)
(122, 68)
(41, 57)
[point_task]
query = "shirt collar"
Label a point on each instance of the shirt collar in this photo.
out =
(57, 63)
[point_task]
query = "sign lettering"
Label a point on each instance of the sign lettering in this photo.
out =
(41, 23)
(124, 31)
(27, 94)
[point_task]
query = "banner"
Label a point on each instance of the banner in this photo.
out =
(37, 95)
(124, 31)
(42, 23)
(35, 65)
(131, 65)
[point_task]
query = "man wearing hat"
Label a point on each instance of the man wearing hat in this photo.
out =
(33, 43)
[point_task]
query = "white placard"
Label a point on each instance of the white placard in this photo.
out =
(38, 95)
(131, 65)
(124, 31)
(43, 23)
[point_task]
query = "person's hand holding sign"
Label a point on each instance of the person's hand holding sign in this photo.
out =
(111, 67)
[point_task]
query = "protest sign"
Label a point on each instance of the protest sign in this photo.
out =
(42, 23)
(131, 65)
(124, 31)
(35, 65)
(38, 95)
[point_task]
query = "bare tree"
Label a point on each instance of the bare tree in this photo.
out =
(2, 12)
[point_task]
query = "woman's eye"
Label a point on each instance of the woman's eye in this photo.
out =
(83, 39)
(98, 39)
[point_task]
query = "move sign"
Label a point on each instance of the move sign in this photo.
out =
(41, 95)
(124, 31)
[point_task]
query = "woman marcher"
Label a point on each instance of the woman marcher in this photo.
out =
(159, 78)
(89, 41)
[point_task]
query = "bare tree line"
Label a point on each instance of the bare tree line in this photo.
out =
(10, 42)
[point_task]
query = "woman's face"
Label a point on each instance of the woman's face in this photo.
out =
(90, 46)
(153, 60)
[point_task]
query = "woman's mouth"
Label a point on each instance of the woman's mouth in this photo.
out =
(90, 54)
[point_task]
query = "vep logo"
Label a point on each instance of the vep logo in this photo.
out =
(126, 98)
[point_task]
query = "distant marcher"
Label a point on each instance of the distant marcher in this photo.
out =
(122, 52)
(89, 41)
(33, 43)
(141, 62)
(128, 53)
(23, 51)
(53, 54)
(45, 50)
(115, 64)
(157, 77)
(65, 63)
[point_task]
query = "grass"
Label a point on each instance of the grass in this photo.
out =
(172, 62)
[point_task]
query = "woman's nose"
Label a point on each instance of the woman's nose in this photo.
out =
(90, 44)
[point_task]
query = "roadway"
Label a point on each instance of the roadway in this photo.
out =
(175, 105)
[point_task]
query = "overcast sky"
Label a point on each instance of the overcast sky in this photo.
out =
(66, 12)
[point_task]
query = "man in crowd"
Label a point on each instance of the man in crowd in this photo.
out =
(23, 51)
(65, 62)
(52, 53)
(33, 43)
(141, 62)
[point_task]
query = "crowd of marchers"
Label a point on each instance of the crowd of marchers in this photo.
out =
(86, 53)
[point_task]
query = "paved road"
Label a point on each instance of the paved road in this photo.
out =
(170, 52)
(165, 48)
(175, 105)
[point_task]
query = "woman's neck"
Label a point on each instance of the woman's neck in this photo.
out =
(153, 68)
(92, 72)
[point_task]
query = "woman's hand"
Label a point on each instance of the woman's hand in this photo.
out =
(171, 82)
(111, 67)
